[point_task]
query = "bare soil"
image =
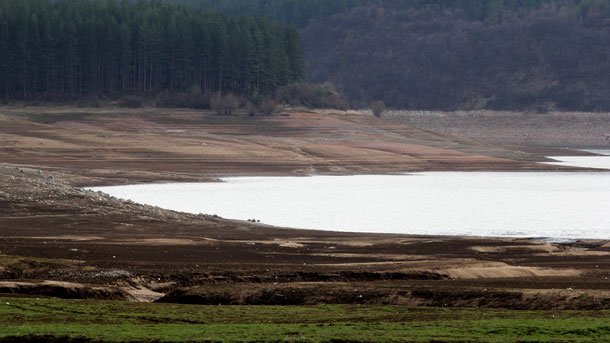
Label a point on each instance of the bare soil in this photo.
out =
(113, 146)
(526, 129)
(53, 231)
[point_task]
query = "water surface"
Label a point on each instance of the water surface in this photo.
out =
(600, 162)
(516, 204)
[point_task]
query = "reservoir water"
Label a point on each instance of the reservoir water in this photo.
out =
(555, 205)
(602, 162)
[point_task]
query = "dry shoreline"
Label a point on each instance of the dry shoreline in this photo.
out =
(53, 231)
(116, 146)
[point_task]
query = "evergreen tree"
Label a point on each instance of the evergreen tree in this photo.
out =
(64, 49)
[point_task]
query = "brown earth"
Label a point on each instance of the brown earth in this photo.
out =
(111, 146)
(526, 129)
(52, 231)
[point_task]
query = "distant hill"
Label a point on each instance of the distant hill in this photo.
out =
(466, 54)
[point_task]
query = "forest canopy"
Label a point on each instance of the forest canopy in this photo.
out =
(415, 54)
(301, 12)
(458, 54)
(66, 49)
(466, 54)
(295, 12)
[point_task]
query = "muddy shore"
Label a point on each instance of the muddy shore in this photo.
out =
(53, 232)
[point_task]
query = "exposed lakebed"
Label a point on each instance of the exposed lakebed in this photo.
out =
(558, 205)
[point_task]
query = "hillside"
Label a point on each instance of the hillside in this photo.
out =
(431, 56)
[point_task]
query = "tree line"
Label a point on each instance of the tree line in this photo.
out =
(65, 49)
(466, 54)
(295, 12)
(301, 12)
(459, 54)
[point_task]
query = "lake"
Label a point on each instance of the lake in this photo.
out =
(602, 162)
(553, 205)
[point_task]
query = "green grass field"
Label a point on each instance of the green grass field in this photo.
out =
(118, 321)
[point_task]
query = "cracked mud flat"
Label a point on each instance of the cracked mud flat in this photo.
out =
(52, 232)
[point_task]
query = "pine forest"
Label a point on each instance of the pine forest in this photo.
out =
(65, 49)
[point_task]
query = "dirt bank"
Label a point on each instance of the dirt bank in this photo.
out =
(525, 129)
(113, 146)
(388, 293)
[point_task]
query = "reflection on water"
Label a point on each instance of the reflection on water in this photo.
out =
(517, 204)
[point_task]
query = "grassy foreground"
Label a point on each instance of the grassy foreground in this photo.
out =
(124, 321)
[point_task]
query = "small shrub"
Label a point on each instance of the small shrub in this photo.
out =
(324, 95)
(231, 103)
(378, 107)
(131, 101)
(251, 109)
(193, 99)
(224, 104)
(90, 101)
(270, 106)
(256, 100)
(216, 103)
(164, 99)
